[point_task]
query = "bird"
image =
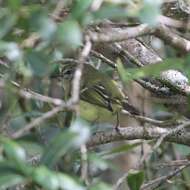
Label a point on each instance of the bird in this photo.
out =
(96, 88)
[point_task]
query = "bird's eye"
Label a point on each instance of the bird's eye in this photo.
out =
(68, 72)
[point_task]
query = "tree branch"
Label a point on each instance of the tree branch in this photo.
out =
(180, 136)
(39, 120)
(172, 38)
(118, 34)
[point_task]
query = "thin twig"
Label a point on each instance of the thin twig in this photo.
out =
(161, 139)
(84, 164)
(78, 72)
(58, 9)
(29, 94)
(126, 53)
(75, 97)
(39, 120)
(152, 121)
(121, 180)
(172, 38)
(174, 163)
(156, 182)
(103, 58)
(170, 22)
(163, 179)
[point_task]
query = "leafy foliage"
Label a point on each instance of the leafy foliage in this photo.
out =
(135, 179)
(35, 38)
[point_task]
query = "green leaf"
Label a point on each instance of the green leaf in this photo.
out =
(59, 146)
(7, 21)
(13, 151)
(11, 50)
(135, 179)
(38, 62)
(66, 141)
(67, 182)
(47, 28)
(79, 8)
(8, 167)
(81, 128)
(45, 178)
(150, 11)
(98, 162)
(110, 12)
(182, 149)
(124, 74)
(31, 146)
(123, 148)
(149, 70)
(14, 4)
(100, 185)
(54, 180)
(42, 24)
(69, 34)
(187, 66)
(10, 179)
(9, 175)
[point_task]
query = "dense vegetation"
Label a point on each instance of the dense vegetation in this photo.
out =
(80, 80)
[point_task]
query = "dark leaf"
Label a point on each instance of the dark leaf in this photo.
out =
(135, 179)
(61, 143)
(38, 62)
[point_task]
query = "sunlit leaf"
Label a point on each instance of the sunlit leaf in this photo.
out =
(53, 180)
(13, 151)
(46, 178)
(67, 182)
(11, 50)
(98, 162)
(82, 131)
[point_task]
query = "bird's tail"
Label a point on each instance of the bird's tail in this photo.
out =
(130, 108)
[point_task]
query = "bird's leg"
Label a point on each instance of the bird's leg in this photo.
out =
(117, 126)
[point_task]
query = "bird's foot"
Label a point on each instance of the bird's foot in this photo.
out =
(118, 129)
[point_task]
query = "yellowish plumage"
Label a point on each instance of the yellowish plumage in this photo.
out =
(101, 98)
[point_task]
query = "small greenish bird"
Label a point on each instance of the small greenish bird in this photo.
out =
(97, 89)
